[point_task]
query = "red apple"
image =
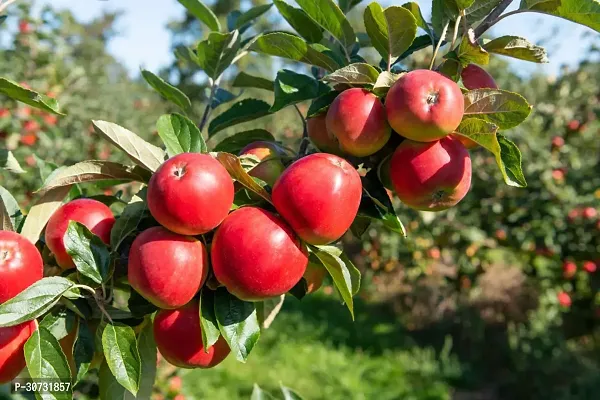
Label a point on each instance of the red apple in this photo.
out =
(12, 358)
(431, 176)
(475, 77)
(256, 255)
(31, 126)
(314, 276)
(4, 113)
(468, 143)
(558, 142)
(589, 213)
(590, 266)
(178, 336)
(21, 265)
(569, 269)
(558, 175)
(318, 195)
(564, 299)
(270, 155)
(574, 214)
(96, 216)
(574, 125)
(24, 27)
(434, 253)
(190, 194)
(323, 140)
(357, 119)
(175, 384)
(28, 139)
(500, 234)
(424, 106)
(166, 268)
(51, 119)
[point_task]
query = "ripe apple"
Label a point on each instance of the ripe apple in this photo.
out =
(96, 216)
(357, 119)
(500, 234)
(431, 176)
(21, 265)
(4, 112)
(475, 77)
(256, 255)
(589, 213)
(178, 336)
(51, 119)
(558, 142)
(270, 155)
(31, 126)
(166, 268)
(424, 106)
(574, 214)
(28, 139)
(569, 269)
(24, 27)
(564, 299)
(574, 125)
(314, 276)
(558, 175)
(318, 195)
(323, 140)
(190, 194)
(12, 358)
(434, 253)
(590, 266)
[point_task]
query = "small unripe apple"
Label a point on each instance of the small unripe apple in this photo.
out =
(314, 276)
(589, 213)
(319, 196)
(166, 268)
(357, 119)
(12, 357)
(190, 194)
(96, 216)
(475, 77)
(256, 255)
(323, 140)
(569, 269)
(178, 336)
(431, 176)
(21, 265)
(590, 266)
(564, 299)
(270, 166)
(558, 142)
(424, 106)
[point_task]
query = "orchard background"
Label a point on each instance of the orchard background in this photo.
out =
(496, 298)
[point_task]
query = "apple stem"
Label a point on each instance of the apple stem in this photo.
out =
(437, 48)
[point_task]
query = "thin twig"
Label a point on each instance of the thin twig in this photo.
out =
(455, 34)
(437, 48)
(304, 142)
(96, 299)
(492, 18)
(204, 119)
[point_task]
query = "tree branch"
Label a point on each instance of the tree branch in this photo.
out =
(304, 143)
(491, 19)
(4, 6)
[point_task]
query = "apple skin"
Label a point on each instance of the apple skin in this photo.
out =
(21, 265)
(314, 276)
(12, 357)
(424, 106)
(166, 268)
(96, 216)
(270, 166)
(319, 196)
(569, 269)
(475, 77)
(190, 194)
(256, 255)
(431, 176)
(323, 140)
(357, 119)
(178, 336)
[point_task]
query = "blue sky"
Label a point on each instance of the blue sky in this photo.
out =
(144, 39)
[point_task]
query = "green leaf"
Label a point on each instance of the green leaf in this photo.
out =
(142, 153)
(470, 52)
(233, 144)
(202, 12)
(41, 212)
(360, 225)
(443, 12)
(506, 153)
(83, 351)
(180, 135)
(186, 55)
(286, 45)
(321, 104)
(464, 4)
(46, 361)
(480, 9)
(233, 165)
(354, 74)
(9, 162)
(292, 87)
(451, 68)
(59, 322)
(584, 12)
(34, 301)
(384, 82)
(148, 356)
(329, 16)
(11, 216)
(392, 30)
(517, 47)
(289, 394)
(221, 96)
(168, 91)
(300, 21)
(89, 253)
(122, 355)
(208, 319)
(242, 111)
(251, 15)
(421, 23)
(217, 52)
(259, 394)
(29, 97)
(501, 107)
(244, 80)
(127, 223)
(340, 273)
(237, 322)
(93, 171)
(376, 204)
